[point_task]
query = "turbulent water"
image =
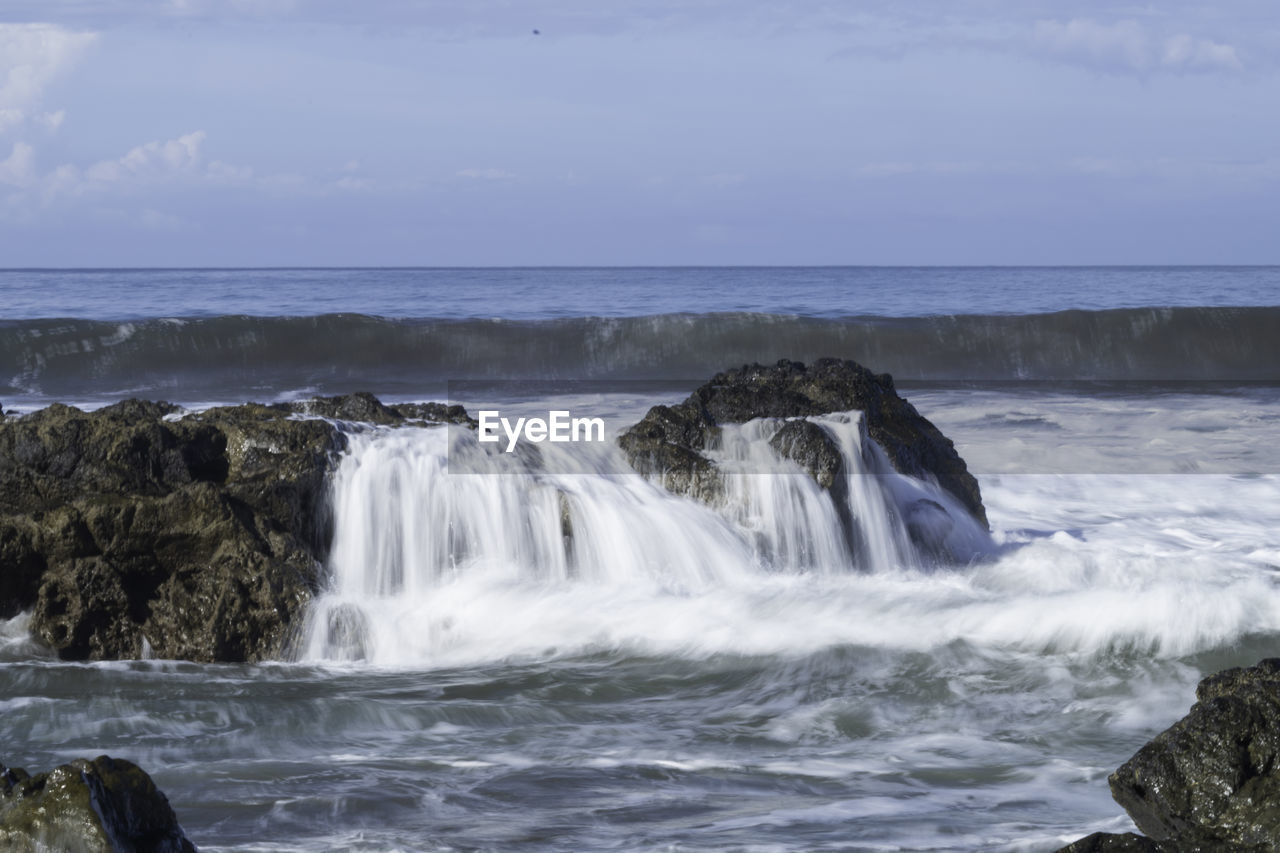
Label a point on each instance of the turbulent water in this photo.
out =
(781, 671)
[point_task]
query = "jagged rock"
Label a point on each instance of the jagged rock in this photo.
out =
(363, 407)
(202, 534)
(1211, 781)
(106, 805)
(1213, 777)
(440, 413)
(667, 443)
(664, 445)
(812, 448)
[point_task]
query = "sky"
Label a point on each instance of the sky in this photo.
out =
(614, 132)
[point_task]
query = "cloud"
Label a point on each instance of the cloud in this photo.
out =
(151, 160)
(150, 164)
(1126, 46)
(31, 57)
(18, 168)
(1183, 51)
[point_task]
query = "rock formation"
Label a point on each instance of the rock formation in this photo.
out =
(1211, 781)
(106, 805)
(668, 444)
(201, 535)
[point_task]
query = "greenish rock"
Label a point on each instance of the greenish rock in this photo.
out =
(107, 805)
(665, 446)
(1213, 777)
(813, 449)
(363, 407)
(1211, 781)
(668, 444)
(201, 535)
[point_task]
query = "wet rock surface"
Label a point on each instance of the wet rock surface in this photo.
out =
(107, 805)
(363, 407)
(1126, 842)
(1211, 781)
(201, 534)
(668, 444)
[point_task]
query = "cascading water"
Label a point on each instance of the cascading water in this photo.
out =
(427, 560)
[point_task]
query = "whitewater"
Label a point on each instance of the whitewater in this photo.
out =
(563, 656)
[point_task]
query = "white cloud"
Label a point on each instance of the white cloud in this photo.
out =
(52, 121)
(18, 168)
(32, 56)
(151, 160)
(1127, 46)
(1183, 51)
(1122, 44)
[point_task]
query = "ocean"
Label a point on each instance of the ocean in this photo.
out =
(696, 679)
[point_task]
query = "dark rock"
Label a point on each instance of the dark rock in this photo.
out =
(21, 564)
(107, 805)
(363, 407)
(1213, 777)
(667, 443)
(813, 449)
(1129, 842)
(664, 446)
(202, 535)
(439, 413)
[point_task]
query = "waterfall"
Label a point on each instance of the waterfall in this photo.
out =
(436, 537)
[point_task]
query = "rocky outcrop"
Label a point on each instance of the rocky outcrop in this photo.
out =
(1211, 781)
(363, 407)
(106, 805)
(199, 534)
(668, 444)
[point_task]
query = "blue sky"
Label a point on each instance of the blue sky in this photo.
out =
(388, 132)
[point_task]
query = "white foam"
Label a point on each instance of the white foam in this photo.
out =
(433, 568)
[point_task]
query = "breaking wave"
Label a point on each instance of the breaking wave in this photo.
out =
(228, 357)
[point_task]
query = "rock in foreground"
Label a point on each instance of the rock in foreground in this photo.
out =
(1211, 781)
(106, 805)
(668, 443)
(1213, 777)
(201, 535)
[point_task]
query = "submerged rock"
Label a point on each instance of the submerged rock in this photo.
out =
(1211, 781)
(668, 443)
(1106, 842)
(106, 805)
(201, 534)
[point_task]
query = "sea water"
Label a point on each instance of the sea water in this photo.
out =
(745, 676)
